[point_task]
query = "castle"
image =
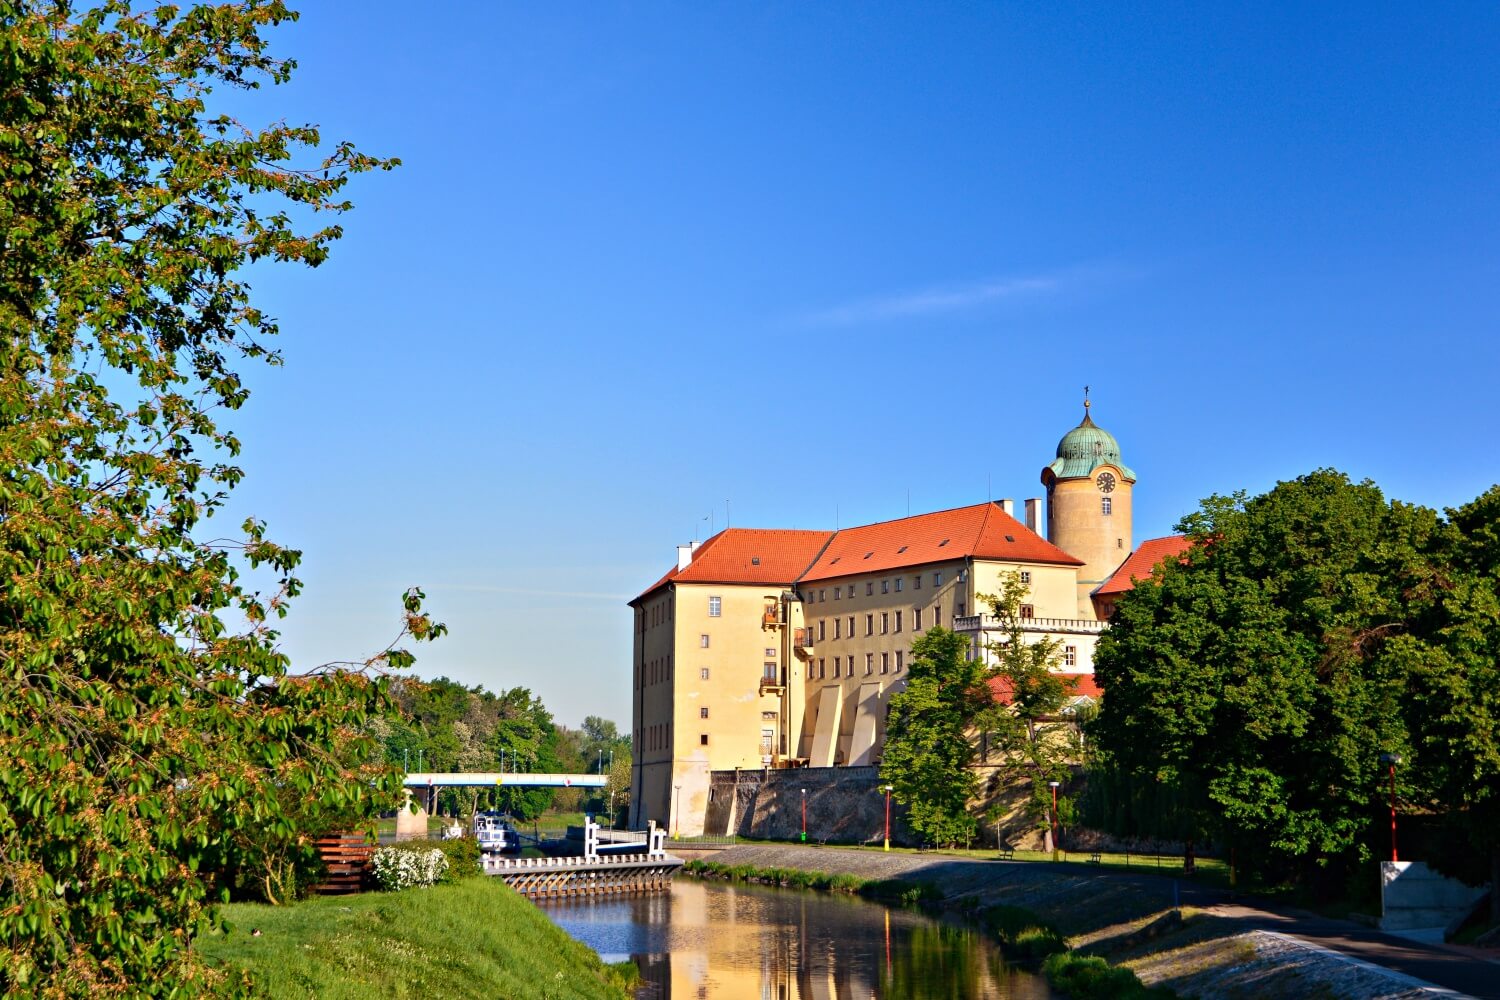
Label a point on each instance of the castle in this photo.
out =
(770, 648)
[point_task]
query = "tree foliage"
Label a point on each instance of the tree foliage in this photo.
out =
(155, 746)
(1310, 630)
(1031, 743)
(929, 736)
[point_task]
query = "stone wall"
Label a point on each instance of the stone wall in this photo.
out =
(844, 805)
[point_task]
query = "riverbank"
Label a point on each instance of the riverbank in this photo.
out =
(476, 937)
(1217, 948)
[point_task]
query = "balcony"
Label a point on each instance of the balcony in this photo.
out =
(989, 623)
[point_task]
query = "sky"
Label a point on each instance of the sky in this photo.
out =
(650, 268)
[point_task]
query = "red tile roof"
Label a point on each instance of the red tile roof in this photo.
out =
(1084, 685)
(1142, 561)
(765, 556)
(983, 531)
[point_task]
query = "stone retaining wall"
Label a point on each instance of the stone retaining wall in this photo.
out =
(844, 805)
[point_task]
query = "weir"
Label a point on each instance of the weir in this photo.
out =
(648, 870)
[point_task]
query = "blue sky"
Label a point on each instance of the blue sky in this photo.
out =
(812, 259)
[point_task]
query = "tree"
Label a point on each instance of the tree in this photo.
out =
(1249, 683)
(152, 735)
(1026, 736)
(929, 740)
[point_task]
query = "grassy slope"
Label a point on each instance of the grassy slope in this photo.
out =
(476, 938)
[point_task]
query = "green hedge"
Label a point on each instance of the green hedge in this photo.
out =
(1024, 937)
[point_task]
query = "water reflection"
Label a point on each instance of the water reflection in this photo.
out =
(711, 939)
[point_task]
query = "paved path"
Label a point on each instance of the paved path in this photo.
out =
(1452, 969)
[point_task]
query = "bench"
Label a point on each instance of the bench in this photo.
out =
(1096, 858)
(1007, 854)
(346, 861)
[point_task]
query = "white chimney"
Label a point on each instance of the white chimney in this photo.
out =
(1034, 514)
(685, 555)
(1009, 506)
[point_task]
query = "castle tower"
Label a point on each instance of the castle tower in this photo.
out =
(1089, 504)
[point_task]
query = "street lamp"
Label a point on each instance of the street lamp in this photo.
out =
(888, 789)
(804, 815)
(677, 814)
(1054, 785)
(1391, 760)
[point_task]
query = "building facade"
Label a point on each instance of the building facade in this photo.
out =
(767, 648)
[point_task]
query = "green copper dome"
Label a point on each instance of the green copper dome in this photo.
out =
(1086, 447)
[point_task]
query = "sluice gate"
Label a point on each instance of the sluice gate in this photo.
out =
(650, 869)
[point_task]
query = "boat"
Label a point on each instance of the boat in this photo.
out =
(495, 834)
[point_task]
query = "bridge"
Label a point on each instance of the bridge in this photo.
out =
(648, 870)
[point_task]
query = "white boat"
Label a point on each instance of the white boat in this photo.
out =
(495, 834)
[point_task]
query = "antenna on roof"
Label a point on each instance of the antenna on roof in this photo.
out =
(989, 489)
(835, 517)
(726, 513)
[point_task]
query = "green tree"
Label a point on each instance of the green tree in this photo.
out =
(1248, 685)
(152, 737)
(929, 740)
(1032, 742)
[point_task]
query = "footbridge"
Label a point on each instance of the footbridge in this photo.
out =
(648, 868)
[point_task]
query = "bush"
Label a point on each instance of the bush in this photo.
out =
(463, 857)
(1089, 977)
(403, 868)
(1023, 936)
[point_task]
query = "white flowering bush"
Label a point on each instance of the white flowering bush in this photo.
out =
(399, 869)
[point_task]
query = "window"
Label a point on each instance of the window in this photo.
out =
(823, 668)
(898, 621)
(822, 629)
(898, 584)
(822, 595)
(703, 641)
(916, 619)
(769, 673)
(869, 587)
(703, 673)
(937, 579)
(900, 660)
(812, 670)
(703, 739)
(836, 592)
(869, 664)
(703, 712)
(885, 586)
(869, 624)
(851, 590)
(770, 653)
(1070, 656)
(885, 663)
(715, 606)
(1106, 506)
(937, 616)
(916, 582)
(1025, 576)
(836, 628)
(838, 666)
(851, 626)
(1028, 611)
(959, 610)
(885, 622)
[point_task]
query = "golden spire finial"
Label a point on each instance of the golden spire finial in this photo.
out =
(1086, 403)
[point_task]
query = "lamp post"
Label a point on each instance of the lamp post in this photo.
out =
(677, 814)
(1054, 785)
(1391, 760)
(888, 789)
(804, 815)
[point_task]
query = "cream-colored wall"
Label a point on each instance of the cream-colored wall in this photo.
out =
(654, 665)
(1076, 524)
(819, 605)
(1053, 593)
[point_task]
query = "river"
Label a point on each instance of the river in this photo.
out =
(725, 941)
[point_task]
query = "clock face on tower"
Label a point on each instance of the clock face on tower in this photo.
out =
(1106, 482)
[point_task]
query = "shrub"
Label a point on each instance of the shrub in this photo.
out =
(1089, 977)
(1023, 935)
(401, 868)
(463, 858)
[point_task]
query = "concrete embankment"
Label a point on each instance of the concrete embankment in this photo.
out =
(1217, 948)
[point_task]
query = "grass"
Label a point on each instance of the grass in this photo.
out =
(417, 943)
(890, 890)
(1024, 937)
(1089, 977)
